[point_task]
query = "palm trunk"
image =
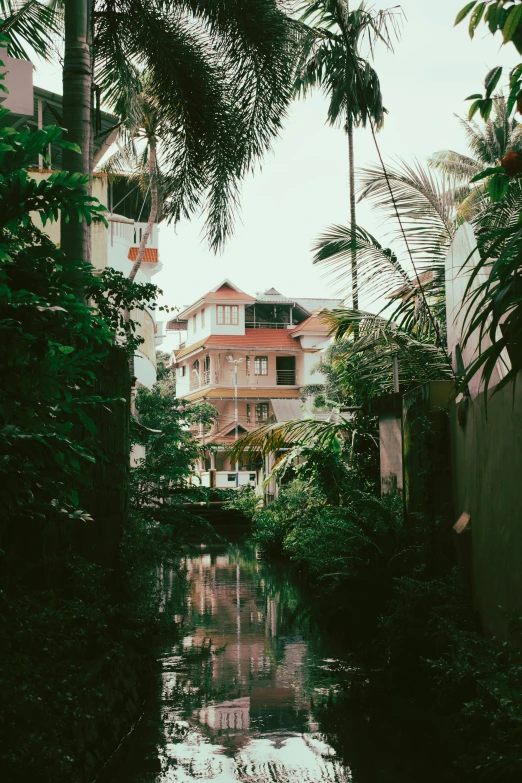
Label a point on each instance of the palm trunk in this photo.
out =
(77, 99)
(153, 208)
(353, 222)
(144, 239)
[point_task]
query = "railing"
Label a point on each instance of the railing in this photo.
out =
(279, 378)
(267, 325)
(198, 380)
(286, 377)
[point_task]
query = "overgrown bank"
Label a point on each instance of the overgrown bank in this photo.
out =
(393, 593)
(79, 606)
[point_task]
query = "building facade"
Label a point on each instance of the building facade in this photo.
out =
(270, 344)
(115, 247)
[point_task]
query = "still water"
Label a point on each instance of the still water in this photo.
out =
(243, 682)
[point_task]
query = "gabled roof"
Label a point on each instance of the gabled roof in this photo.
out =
(315, 324)
(224, 292)
(150, 256)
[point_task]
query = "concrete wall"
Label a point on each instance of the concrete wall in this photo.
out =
(487, 484)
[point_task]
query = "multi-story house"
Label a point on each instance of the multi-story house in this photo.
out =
(270, 344)
(116, 247)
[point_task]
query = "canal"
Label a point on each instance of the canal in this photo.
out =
(249, 686)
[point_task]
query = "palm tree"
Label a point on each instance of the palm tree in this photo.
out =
(137, 156)
(331, 59)
(488, 145)
(221, 70)
(411, 278)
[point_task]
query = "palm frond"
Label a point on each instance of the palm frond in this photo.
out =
(30, 24)
(274, 437)
(458, 167)
(380, 272)
(426, 207)
(224, 88)
(376, 340)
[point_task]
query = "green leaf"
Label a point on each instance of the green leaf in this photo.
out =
(6, 147)
(476, 16)
(492, 78)
(510, 25)
(464, 12)
(498, 186)
(473, 109)
(488, 172)
(485, 109)
(474, 97)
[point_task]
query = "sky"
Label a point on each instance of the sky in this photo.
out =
(302, 185)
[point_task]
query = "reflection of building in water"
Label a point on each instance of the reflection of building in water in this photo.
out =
(239, 611)
(233, 714)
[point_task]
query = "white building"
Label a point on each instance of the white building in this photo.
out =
(116, 246)
(276, 342)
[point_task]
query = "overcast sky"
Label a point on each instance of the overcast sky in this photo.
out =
(303, 185)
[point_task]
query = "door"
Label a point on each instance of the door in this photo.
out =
(285, 370)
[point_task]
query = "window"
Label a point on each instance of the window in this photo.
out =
(248, 413)
(182, 371)
(194, 323)
(261, 365)
(203, 318)
(247, 365)
(228, 314)
(195, 366)
(262, 411)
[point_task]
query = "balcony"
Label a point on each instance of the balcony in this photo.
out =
(268, 325)
(199, 380)
(273, 378)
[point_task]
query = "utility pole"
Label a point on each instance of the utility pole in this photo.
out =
(236, 363)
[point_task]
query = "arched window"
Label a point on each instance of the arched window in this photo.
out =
(195, 366)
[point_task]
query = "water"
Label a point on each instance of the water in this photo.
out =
(242, 685)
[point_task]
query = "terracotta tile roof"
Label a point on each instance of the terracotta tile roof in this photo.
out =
(255, 339)
(191, 348)
(225, 292)
(150, 256)
(315, 323)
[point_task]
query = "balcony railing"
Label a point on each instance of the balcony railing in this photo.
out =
(286, 377)
(267, 325)
(198, 380)
(279, 378)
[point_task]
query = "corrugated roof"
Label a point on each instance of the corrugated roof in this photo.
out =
(287, 410)
(149, 257)
(318, 304)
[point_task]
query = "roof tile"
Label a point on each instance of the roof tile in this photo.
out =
(150, 256)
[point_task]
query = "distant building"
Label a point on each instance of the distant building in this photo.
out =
(277, 341)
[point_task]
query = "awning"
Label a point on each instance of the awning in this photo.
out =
(287, 410)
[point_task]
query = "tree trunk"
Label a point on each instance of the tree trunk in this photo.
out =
(143, 244)
(153, 208)
(77, 99)
(353, 222)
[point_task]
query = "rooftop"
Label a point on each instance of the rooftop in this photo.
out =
(150, 256)
(256, 339)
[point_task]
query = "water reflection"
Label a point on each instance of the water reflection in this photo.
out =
(239, 688)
